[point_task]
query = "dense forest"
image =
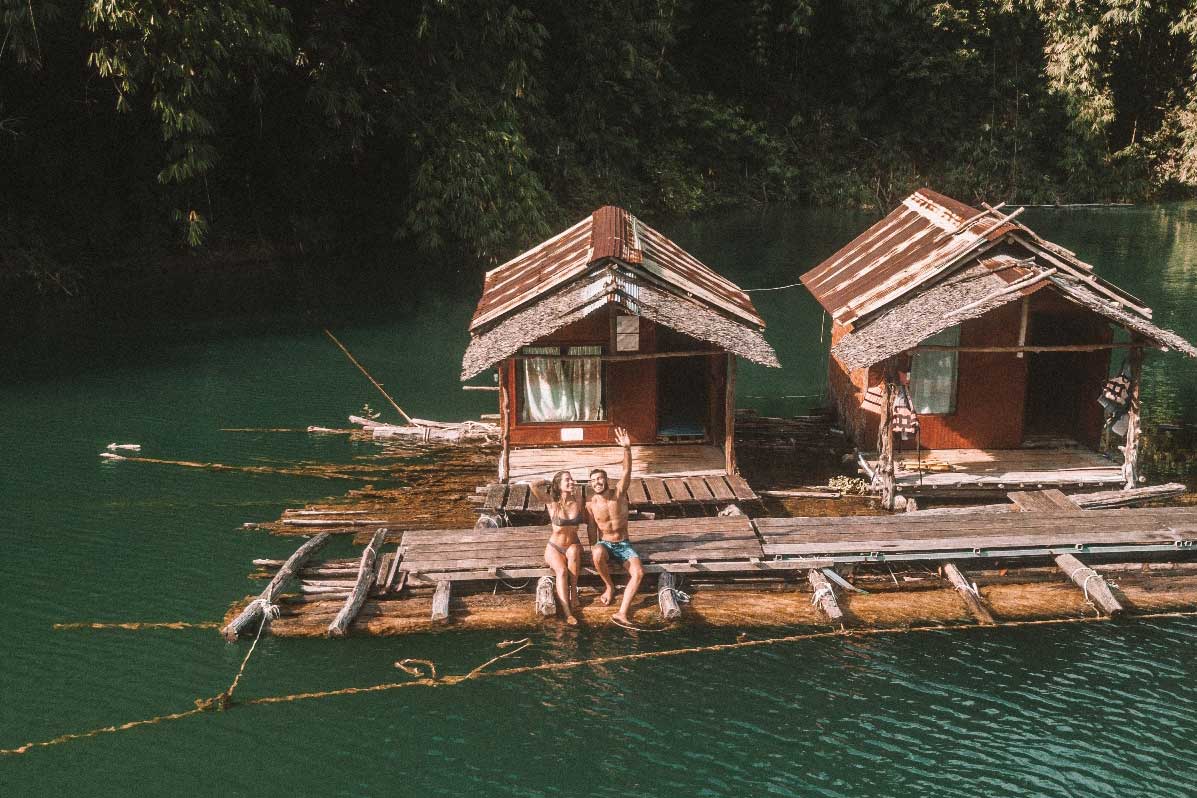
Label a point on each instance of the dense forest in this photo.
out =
(143, 132)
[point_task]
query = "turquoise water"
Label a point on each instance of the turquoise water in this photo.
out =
(1092, 709)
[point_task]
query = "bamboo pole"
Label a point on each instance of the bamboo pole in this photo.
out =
(373, 381)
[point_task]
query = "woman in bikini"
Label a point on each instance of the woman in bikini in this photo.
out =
(564, 551)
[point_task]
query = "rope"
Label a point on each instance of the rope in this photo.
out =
(566, 665)
(773, 288)
(1085, 584)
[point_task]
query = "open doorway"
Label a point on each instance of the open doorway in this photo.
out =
(1061, 396)
(682, 399)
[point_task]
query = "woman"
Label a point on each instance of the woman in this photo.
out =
(564, 550)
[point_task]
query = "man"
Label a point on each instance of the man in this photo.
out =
(607, 523)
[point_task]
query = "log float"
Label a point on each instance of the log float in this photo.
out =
(366, 576)
(266, 597)
(824, 596)
(546, 601)
(972, 597)
(667, 597)
(1091, 582)
(440, 601)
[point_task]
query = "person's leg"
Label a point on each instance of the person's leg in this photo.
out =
(635, 575)
(556, 560)
(601, 558)
(573, 560)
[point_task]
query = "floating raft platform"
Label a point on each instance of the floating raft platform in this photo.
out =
(1048, 558)
(976, 473)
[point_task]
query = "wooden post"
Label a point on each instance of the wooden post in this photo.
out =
(440, 601)
(976, 605)
(667, 597)
(1130, 452)
(366, 574)
(504, 426)
(1088, 580)
(729, 417)
(885, 440)
(1022, 325)
(546, 600)
(825, 596)
(267, 596)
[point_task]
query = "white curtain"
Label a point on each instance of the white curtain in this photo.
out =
(933, 375)
(557, 389)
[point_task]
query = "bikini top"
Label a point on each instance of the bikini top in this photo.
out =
(569, 521)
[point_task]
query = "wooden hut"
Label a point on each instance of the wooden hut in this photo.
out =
(999, 341)
(607, 324)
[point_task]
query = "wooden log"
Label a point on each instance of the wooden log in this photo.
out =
(394, 569)
(367, 572)
(972, 599)
(825, 596)
(667, 597)
(504, 427)
(267, 596)
(885, 442)
(1096, 590)
(440, 601)
(1130, 452)
(546, 599)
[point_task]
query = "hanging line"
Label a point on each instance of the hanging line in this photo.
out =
(773, 288)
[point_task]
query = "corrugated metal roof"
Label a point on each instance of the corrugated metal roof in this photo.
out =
(922, 238)
(608, 233)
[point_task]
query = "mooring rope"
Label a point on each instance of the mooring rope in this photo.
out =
(479, 673)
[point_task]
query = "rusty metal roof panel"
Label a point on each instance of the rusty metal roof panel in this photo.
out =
(919, 240)
(608, 233)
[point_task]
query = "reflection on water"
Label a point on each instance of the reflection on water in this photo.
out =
(1104, 709)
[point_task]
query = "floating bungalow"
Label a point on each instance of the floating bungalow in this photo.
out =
(606, 324)
(986, 349)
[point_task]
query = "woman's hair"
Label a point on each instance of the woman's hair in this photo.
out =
(555, 486)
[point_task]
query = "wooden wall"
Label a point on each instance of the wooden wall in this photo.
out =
(629, 388)
(991, 397)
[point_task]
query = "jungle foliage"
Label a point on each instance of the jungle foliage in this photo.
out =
(470, 128)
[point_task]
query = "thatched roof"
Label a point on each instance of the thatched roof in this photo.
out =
(972, 293)
(614, 285)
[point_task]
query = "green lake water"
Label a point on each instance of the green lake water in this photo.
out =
(1104, 709)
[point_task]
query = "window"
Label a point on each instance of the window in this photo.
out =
(627, 333)
(933, 374)
(561, 389)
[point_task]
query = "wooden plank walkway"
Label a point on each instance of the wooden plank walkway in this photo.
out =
(656, 460)
(984, 534)
(682, 545)
(972, 472)
(644, 493)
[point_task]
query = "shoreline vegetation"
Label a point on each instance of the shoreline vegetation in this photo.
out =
(186, 152)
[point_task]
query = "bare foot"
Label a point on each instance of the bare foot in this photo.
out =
(621, 618)
(608, 594)
(571, 620)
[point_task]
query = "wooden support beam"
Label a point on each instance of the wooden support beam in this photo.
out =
(1022, 323)
(667, 597)
(440, 601)
(885, 441)
(366, 574)
(1043, 348)
(1096, 590)
(289, 569)
(972, 599)
(1130, 451)
(504, 426)
(546, 600)
(729, 416)
(825, 596)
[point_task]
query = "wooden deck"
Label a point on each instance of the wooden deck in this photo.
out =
(1047, 526)
(644, 493)
(973, 472)
(677, 459)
